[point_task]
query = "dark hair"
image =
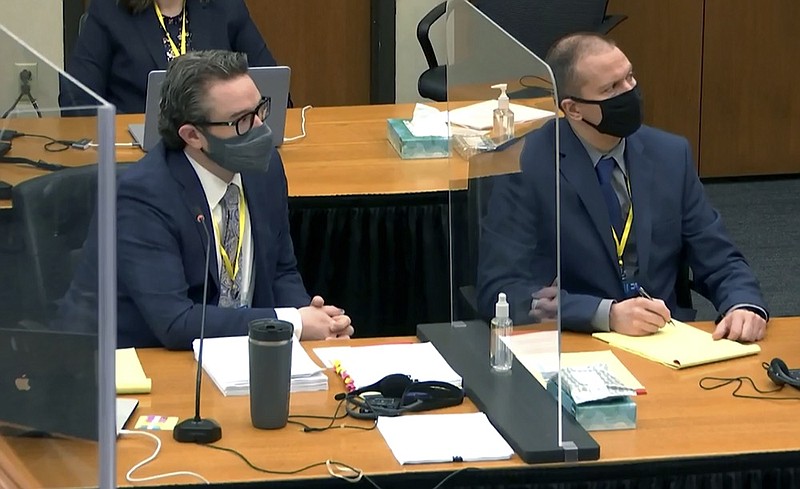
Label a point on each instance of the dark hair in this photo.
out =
(183, 94)
(564, 55)
(136, 6)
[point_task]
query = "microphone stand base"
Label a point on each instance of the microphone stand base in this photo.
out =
(194, 430)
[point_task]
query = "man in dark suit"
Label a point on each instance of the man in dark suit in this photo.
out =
(216, 168)
(121, 41)
(632, 207)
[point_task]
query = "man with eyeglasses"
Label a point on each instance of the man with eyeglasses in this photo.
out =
(216, 167)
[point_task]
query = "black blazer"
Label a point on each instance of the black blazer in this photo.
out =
(161, 257)
(116, 50)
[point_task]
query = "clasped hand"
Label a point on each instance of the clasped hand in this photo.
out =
(324, 322)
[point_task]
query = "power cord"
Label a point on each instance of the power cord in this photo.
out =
(302, 125)
(725, 381)
(333, 419)
(129, 476)
(335, 468)
(25, 77)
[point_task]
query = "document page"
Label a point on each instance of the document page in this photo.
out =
(432, 438)
(680, 346)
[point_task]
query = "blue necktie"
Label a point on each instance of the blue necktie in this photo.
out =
(605, 168)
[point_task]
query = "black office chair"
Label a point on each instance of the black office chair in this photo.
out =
(52, 213)
(537, 24)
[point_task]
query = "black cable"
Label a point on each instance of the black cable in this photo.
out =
(725, 381)
(451, 475)
(319, 464)
(333, 419)
(13, 106)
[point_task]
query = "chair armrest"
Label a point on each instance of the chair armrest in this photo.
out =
(423, 29)
(609, 22)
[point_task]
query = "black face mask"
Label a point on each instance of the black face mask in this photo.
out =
(622, 114)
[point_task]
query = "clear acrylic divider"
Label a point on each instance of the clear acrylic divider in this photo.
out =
(58, 303)
(504, 194)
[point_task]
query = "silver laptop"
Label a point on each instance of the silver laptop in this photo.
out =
(272, 81)
(48, 385)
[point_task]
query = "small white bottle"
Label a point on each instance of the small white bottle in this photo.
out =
(500, 355)
(503, 120)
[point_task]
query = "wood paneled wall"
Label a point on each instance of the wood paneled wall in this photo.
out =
(751, 103)
(663, 40)
(325, 42)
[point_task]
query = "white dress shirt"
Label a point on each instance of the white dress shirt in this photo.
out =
(214, 189)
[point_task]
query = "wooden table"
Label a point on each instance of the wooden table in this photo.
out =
(345, 152)
(677, 421)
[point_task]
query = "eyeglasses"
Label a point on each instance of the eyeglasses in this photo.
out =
(245, 122)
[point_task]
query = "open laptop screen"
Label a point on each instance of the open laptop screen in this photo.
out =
(272, 81)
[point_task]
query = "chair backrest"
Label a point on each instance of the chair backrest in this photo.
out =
(537, 24)
(53, 213)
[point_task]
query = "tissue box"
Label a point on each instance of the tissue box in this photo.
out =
(410, 147)
(618, 413)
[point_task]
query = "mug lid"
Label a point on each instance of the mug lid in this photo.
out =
(270, 329)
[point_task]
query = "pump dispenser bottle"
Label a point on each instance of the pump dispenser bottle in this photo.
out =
(503, 121)
(499, 354)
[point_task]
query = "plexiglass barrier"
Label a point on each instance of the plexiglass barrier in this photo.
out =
(57, 392)
(505, 241)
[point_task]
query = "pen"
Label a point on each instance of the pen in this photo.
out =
(647, 296)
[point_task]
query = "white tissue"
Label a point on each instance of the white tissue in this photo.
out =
(428, 122)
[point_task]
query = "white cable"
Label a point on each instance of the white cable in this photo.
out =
(302, 126)
(349, 474)
(122, 145)
(129, 476)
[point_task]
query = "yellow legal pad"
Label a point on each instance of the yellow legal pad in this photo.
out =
(130, 374)
(680, 346)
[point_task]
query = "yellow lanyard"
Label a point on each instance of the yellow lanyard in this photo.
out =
(626, 232)
(232, 269)
(172, 45)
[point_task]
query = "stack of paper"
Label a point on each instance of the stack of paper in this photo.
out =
(480, 115)
(227, 361)
(369, 364)
(130, 375)
(538, 352)
(431, 438)
(680, 346)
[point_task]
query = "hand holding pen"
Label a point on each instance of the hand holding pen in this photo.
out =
(639, 316)
(647, 296)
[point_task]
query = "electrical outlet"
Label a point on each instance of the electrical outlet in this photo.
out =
(32, 67)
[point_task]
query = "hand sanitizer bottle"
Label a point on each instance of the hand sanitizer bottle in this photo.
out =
(503, 121)
(500, 355)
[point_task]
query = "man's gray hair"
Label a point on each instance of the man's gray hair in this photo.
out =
(564, 55)
(183, 94)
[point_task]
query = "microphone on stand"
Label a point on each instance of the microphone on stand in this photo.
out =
(197, 429)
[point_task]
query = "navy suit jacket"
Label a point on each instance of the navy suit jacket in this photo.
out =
(116, 50)
(161, 256)
(671, 215)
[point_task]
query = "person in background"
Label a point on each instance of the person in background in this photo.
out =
(121, 41)
(217, 168)
(631, 207)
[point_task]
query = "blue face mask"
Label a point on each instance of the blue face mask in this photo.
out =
(251, 151)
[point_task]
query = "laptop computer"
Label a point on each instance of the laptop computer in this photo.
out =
(272, 81)
(48, 385)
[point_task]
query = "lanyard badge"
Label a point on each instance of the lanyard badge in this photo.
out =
(173, 47)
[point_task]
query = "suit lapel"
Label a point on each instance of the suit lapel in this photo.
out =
(195, 199)
(640, 171)
(152, 36)
(577, 169)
